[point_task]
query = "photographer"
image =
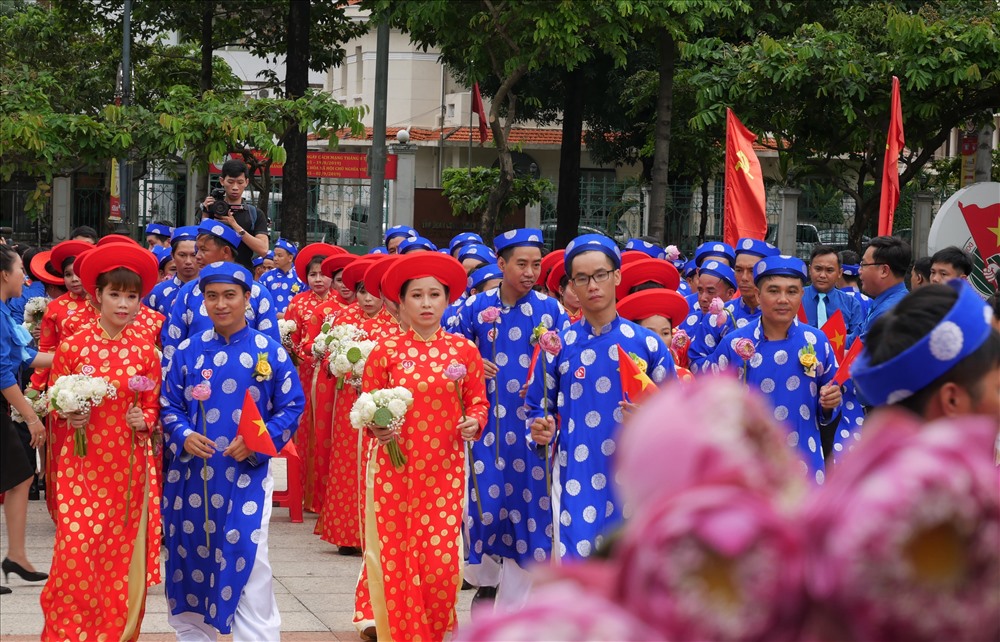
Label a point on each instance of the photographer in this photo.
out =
(250, 224)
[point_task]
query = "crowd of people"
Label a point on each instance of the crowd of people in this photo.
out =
(468, 416)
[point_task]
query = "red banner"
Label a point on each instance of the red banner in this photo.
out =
(329, 165)
(890, 164)
(745, 215)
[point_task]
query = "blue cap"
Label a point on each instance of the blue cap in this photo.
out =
(690, 268)
(220, 231)
(780, 265)
(960, 333)
(287, 246)
(465, 238)
(714, 268)
(399, 230)
(269, 255)
(592, 243)
(162, 230)
(756, 247)
(851, 270)
(477, 251)
(225, 272)
(257, 261)
(483, 274)
(381, 249)
(714, 248)
(162, 254)
(524, 237)
(185, 233)
(645, 247)
(415, 243)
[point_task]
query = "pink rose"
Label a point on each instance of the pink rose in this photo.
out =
(712, 563)
(490, 314)
(560, 612)
(455, 371)
(719, 434)
(716, 306)
(680, 340)
(745, 348)
(139, 383)
(906, 534)
(202, 391)
(550, 343)
(673, 253)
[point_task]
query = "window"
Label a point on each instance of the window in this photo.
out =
(359, 72)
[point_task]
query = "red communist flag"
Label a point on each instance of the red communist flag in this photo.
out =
(836, 331)
(477, 106)
(635, 383)
(744, 202)
(253, 429)
(890, 168)
(984, 225)
(844, 373)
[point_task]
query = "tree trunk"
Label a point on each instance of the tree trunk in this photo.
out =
(294, 182)
(568, 203)
(499, 193)
(661, 143)
(704, 208)
(205, 77)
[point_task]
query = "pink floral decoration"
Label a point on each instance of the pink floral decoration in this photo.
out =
(490, 314)
(673, 253)
(139, 383)
(550, 342)
(745, 348)
(202, 391)
(455, 371)
(680, 340)
(716, 306)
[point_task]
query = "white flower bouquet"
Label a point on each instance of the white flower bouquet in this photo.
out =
(39, 403)
(385, 408)
(34, 309)
(285, 329)
(348, 358)
(79, 393)
(328, 333)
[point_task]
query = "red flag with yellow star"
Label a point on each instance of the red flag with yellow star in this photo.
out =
(890, 163)
(836, 331)
(253, 429)
(635, 383)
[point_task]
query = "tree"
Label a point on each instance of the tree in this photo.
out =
(823, 92)
(468, 190)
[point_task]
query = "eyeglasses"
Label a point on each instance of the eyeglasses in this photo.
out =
(583, 280)
(861, 265)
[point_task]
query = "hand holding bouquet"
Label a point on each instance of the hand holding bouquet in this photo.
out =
(38, 401)
(34, 309)
(349, 352)
(73, 394)
(285, 328)
(384, 410)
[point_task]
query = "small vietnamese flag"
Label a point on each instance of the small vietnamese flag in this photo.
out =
(253, 429)
(836, 331)
(844, 373)
(635, 383)
(802, 315)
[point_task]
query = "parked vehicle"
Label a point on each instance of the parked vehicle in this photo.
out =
(806, 237)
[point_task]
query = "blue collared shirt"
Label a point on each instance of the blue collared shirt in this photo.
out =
(835, 300)
(15, 348)
(882, 304)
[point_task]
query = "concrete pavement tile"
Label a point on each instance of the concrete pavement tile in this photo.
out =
(336, 620)
(301, 621)
(321, 603)
(17, 603)
(321, 585)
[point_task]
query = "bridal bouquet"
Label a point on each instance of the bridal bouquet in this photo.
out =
(348, 353)
(34, 309)
(39, 403)
(385, 408)
(79, 393)
(285, 329)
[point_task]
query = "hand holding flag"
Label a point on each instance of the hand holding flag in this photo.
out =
(253, 429)
(636, 385)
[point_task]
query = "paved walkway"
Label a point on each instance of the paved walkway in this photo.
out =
(314, 585)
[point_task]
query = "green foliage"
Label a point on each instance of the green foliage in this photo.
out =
(468, 190)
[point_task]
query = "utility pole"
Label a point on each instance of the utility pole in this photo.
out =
(124, 167)
(376, 158)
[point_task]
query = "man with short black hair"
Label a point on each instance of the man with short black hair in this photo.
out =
(158, 234)
(84, 233)
(883, 270)
(821, 299)
(920, 275)
(244, 219)
(950, 263)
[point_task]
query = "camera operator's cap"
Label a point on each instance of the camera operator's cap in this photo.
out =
(477, 251)
(311, 251)
(445, 269)
(375, 272)
(399, 230)
(465, 238)
(159, 229)
(592, 243)
(523, 237)
(960, 333)
(665, 303)
(714, 248)
(42, 269)
(756, 247)
(647, 248)
(65, 250)
(647, 270)
(381, 249)
(415, 244)
(162, 254)
(482, 275)
(690, 268)
(549, 261)
(781, 265)
(130, 256)
(287, 246)
(852, 269)
(220, 231)
(225, 272)
(355, 272)
(555, 275)
(336, 262)
(184, 233)
(714, 268)
(118, 238)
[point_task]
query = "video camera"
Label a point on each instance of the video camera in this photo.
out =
(220, 207)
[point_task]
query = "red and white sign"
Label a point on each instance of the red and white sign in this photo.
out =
(328, 165)
(970, 219)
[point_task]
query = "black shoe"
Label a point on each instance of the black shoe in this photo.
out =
(349, 550)
(41, 482)
(485, 596)
(5, 591)
(369, 634)
(9, 567)
(33, 495)
(466, 586)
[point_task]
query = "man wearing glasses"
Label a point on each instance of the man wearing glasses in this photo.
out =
(883, 270)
